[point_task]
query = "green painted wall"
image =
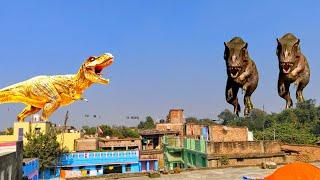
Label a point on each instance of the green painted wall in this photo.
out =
(193, 152)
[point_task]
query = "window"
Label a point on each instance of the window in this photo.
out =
(128, 168)
(240, 159)
(52, 172)
(37, 130)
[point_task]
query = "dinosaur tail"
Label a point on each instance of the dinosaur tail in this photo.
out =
(6, 96)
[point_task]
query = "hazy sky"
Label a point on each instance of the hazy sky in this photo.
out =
(168, 54)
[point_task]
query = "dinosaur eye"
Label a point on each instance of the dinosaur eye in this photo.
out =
(91, 58)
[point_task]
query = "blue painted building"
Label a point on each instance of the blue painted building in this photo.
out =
(30, 169)
(99, 163)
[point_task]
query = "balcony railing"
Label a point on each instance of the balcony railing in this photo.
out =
(99, 158)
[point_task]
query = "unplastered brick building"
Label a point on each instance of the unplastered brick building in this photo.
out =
(216, 132)
(175, 122)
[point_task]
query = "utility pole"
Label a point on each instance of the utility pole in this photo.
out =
(64, 128)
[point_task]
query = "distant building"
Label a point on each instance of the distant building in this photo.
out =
(175, 122)
(20, 129)
(152, 144)
(82, 164)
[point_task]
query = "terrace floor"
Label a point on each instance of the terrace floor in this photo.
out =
(226, 174)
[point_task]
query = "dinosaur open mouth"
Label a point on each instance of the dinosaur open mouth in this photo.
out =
(234, 71)
(286, 67)
(98, 69)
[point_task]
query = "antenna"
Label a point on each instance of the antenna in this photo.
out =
(66, 119)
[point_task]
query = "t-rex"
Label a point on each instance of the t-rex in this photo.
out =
(293, 68)
(242, 73)
(48, 93)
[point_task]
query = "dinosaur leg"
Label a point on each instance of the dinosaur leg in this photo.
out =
(283, 91)
(249, 88)
(302, 83)
(49, 108)
(26, 112)
(231, 95)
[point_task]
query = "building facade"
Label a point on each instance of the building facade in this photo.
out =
(181, 152)
(20, 129)
(30, 169)
(152, 146)
(100, 163)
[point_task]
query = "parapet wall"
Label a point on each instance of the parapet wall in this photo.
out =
(243, 147)
(301, 152)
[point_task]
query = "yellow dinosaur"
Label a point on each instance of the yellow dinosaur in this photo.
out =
(48, 93)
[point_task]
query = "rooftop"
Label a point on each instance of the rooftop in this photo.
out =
(157, 132)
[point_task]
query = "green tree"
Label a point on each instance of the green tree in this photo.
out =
(45, 147)
(119, 131)
(191, 120)
(148, 124)
(89, 130)
(8, 131)
(227, 116)
(206, 121)
(128, 132)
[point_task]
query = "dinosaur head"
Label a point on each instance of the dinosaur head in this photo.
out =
(236, 56)
(288, 51)
(94, 66)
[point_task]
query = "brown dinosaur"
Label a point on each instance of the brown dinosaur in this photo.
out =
(242, 73)
(293, 68)
(48, 93)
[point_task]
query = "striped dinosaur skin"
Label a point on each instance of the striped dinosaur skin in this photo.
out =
(242, 73)
(48, 93)
(293, 68)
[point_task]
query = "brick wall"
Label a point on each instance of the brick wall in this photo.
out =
(121, 143)
(176, 116)
(244, 147)
(171, 127)
(246, 162)
(86, 144)
(194, 129)
(219, 133)
(245, 153)
(302, 152)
